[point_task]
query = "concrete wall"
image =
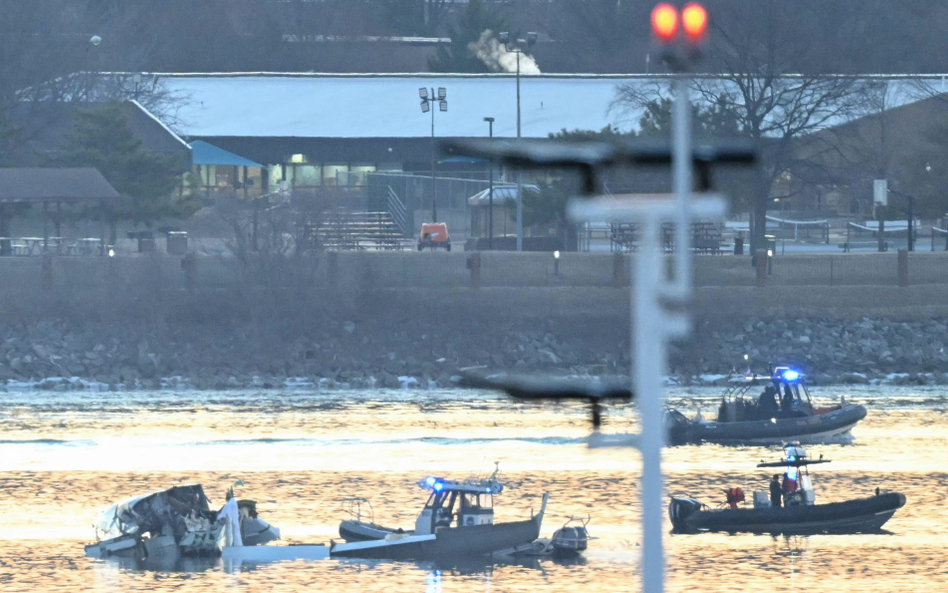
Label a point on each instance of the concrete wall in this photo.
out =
(352, 271)
(432, 287)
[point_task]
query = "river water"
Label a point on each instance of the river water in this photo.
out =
(63, 456)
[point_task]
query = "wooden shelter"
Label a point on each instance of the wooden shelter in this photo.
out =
(58, 186)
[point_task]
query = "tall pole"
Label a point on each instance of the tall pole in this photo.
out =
(682, 182)
(911, 223)
(434, 184)
(519, 188)
(490, 190)
(648, 366)
(518, 93)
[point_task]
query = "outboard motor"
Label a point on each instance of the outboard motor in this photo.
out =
(570, 540)
(681, 508)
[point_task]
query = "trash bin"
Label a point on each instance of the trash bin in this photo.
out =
(177, 242)
(146, 240)
(739, 245)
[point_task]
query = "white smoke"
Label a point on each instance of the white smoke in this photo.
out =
(491, 52)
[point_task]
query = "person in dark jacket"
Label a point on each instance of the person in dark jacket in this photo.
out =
(768, 402)
(786, 404)
(776, 492)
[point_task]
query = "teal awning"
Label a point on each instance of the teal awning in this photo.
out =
(203, 153)
(467, 160)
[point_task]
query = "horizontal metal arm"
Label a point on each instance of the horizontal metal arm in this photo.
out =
(532, 387)
(589, 156)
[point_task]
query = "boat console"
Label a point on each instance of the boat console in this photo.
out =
(474, 501)
(797, 486)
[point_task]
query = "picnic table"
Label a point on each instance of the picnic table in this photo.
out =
(28, 246)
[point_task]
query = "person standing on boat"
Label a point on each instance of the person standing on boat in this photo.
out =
(776, 492)
(788, 487)
(786, 403)
(768, 402)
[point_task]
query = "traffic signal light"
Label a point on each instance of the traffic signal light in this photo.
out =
(694, 21)
(665, 22)
(681, 34)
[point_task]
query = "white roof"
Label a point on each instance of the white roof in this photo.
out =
(388, 105)
(328, 106)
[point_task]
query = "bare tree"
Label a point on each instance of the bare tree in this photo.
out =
(754, 49)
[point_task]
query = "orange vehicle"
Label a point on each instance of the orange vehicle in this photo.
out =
(434, 235)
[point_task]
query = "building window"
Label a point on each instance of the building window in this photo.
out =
(306, 175)
(276, 174)
(223, 176)
(358, 174)
(336, 174)
(298, 158)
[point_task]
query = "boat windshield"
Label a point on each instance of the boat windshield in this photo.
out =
(797, 392)
(472, 500)
(436, 500)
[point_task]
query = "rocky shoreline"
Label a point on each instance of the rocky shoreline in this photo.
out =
(343, 354)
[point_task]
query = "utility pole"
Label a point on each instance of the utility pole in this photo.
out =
(518, 47)
(490, 189)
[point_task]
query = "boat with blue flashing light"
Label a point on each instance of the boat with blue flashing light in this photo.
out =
(789, 508)
(456, 521)
(783, 412)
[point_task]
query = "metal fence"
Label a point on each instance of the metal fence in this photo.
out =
(415, 192)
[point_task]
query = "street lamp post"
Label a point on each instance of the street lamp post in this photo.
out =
(490, 189)
(427, 105)
(518, 46)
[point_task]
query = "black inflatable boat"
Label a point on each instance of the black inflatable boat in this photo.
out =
(797, 513)
(783, 413)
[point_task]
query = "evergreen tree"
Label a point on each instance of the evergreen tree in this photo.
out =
(146, 180)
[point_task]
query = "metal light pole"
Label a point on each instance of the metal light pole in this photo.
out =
(518, 48)
(490, 189)
(426, 105)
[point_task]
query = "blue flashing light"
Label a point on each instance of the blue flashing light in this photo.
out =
(429, 481)
(790, 375)
(438, 486)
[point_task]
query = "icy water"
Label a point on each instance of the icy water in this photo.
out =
(64, 456)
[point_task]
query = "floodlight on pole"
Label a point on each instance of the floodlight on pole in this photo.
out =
(504, 37)
(440, 97)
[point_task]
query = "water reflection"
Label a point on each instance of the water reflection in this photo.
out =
(189, 565)
(65, 456)
(434, 582)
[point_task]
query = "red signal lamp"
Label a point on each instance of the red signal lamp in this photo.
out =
(694, 21)
(665, 22)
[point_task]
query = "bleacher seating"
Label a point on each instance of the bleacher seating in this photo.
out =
(354, 230)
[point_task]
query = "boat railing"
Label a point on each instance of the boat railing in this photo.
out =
(353, 508)
(739, 389)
